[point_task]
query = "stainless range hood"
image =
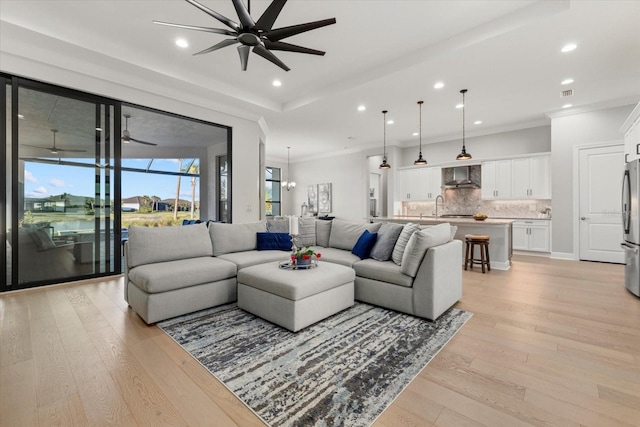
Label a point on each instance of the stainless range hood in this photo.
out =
(461, 177)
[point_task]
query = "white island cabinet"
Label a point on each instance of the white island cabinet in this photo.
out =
(532, 235)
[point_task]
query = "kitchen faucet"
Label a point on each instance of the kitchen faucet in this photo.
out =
(441, 198)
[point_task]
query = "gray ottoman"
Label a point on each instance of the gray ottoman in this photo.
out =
(295, 299)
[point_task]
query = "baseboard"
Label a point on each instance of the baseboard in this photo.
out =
(531, 253)
(500, 265)
(564, 255)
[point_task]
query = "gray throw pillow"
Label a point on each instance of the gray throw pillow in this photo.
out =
(280, 225)
(418, 244)
(387, 237)
(398, 250)
(306, 231)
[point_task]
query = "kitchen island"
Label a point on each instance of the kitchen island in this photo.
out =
(498, 230)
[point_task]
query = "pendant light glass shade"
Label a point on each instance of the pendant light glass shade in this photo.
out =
(463, 154)
(420, 161)
(288, 184)
(384, 164)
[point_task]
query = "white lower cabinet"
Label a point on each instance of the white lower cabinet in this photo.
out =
(532, 235)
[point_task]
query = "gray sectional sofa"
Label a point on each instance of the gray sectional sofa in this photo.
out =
(170, 271)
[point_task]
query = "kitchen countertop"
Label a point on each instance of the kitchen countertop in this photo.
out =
(439, 220)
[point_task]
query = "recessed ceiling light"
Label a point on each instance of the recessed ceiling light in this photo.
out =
(569, 47)
(567, 106)
(477, 122)
(390, 122)
(459, 106)
(438, 85)
(361, 108)
(567, 81)
(182, 43)
(20, 116)
(415, 134)
(277, 83)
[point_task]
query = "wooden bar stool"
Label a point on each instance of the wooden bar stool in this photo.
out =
(482, 241)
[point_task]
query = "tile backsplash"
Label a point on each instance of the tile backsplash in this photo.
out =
(466, 201)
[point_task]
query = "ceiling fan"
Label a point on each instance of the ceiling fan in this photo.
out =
(258, 35)
(54, 149)
(126, 136)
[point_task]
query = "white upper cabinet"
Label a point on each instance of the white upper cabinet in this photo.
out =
(631, 131)
(418, 184)
(496, 179)
(531, 177)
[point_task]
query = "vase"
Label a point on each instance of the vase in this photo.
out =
(303, 262)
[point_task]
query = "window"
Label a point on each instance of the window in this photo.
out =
(272, 192)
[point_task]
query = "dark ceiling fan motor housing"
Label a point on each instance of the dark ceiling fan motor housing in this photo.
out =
(257, 35)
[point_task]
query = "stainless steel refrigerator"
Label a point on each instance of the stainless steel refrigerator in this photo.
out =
(631, 226)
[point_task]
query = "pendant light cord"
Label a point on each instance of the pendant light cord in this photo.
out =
(420, 128)
(384, 135)
(463, 130)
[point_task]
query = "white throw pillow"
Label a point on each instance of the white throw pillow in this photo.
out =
(398, 250)
(418, 244)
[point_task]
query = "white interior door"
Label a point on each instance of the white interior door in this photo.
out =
(600, 172)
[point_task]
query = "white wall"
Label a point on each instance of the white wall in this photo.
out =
(512, 143)
(566, 134)
(34, 56)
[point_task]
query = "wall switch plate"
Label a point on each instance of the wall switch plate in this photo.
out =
(248, 208)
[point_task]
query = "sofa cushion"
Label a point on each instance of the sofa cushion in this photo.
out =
(248, 258)
(228, 238)
(345, 234)
(273, 241)
(148, 245)
(169, 275)
(418, 244)
(384, 271)
(398, 250)
(386, 241)
(363, 246)
(336, 256)
(323, 231)
(306, 231)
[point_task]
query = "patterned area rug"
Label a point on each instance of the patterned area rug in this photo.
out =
(343, 371)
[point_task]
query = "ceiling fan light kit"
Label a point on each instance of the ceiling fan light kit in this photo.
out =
(384, 164)
(463, 154)
(257, 35)
(126, 135)
(54, 149)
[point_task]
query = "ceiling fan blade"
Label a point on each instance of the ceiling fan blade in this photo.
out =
(288, 47)
(245, 19)
(223, 43)
(36, 146)
(226, 21)
(270, 15)
(68, 150)
(193, 27)
(142, 142)
(244, 56)
(262, 51)
(284, 32)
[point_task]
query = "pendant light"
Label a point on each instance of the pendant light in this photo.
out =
(384, 164)
(288, 184)
(463, 154)
(420, 161)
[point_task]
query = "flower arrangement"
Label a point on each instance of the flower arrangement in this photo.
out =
(304, 253)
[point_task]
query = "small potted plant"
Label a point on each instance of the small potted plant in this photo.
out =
(303, 256)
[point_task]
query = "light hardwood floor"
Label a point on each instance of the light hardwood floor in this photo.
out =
(551, 342)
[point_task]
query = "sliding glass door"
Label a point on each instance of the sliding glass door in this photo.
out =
(61, 225)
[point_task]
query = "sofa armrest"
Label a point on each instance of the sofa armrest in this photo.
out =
(438, 284)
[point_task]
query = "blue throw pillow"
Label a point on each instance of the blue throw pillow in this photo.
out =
(273, 241)
(364, 244)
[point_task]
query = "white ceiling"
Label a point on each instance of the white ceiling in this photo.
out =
(382, 54)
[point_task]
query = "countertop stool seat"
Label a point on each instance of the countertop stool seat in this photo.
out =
(481, 240)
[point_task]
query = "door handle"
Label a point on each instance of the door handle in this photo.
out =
(629, 247)
(584, 218)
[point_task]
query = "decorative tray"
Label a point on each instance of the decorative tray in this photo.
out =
(288, 265)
